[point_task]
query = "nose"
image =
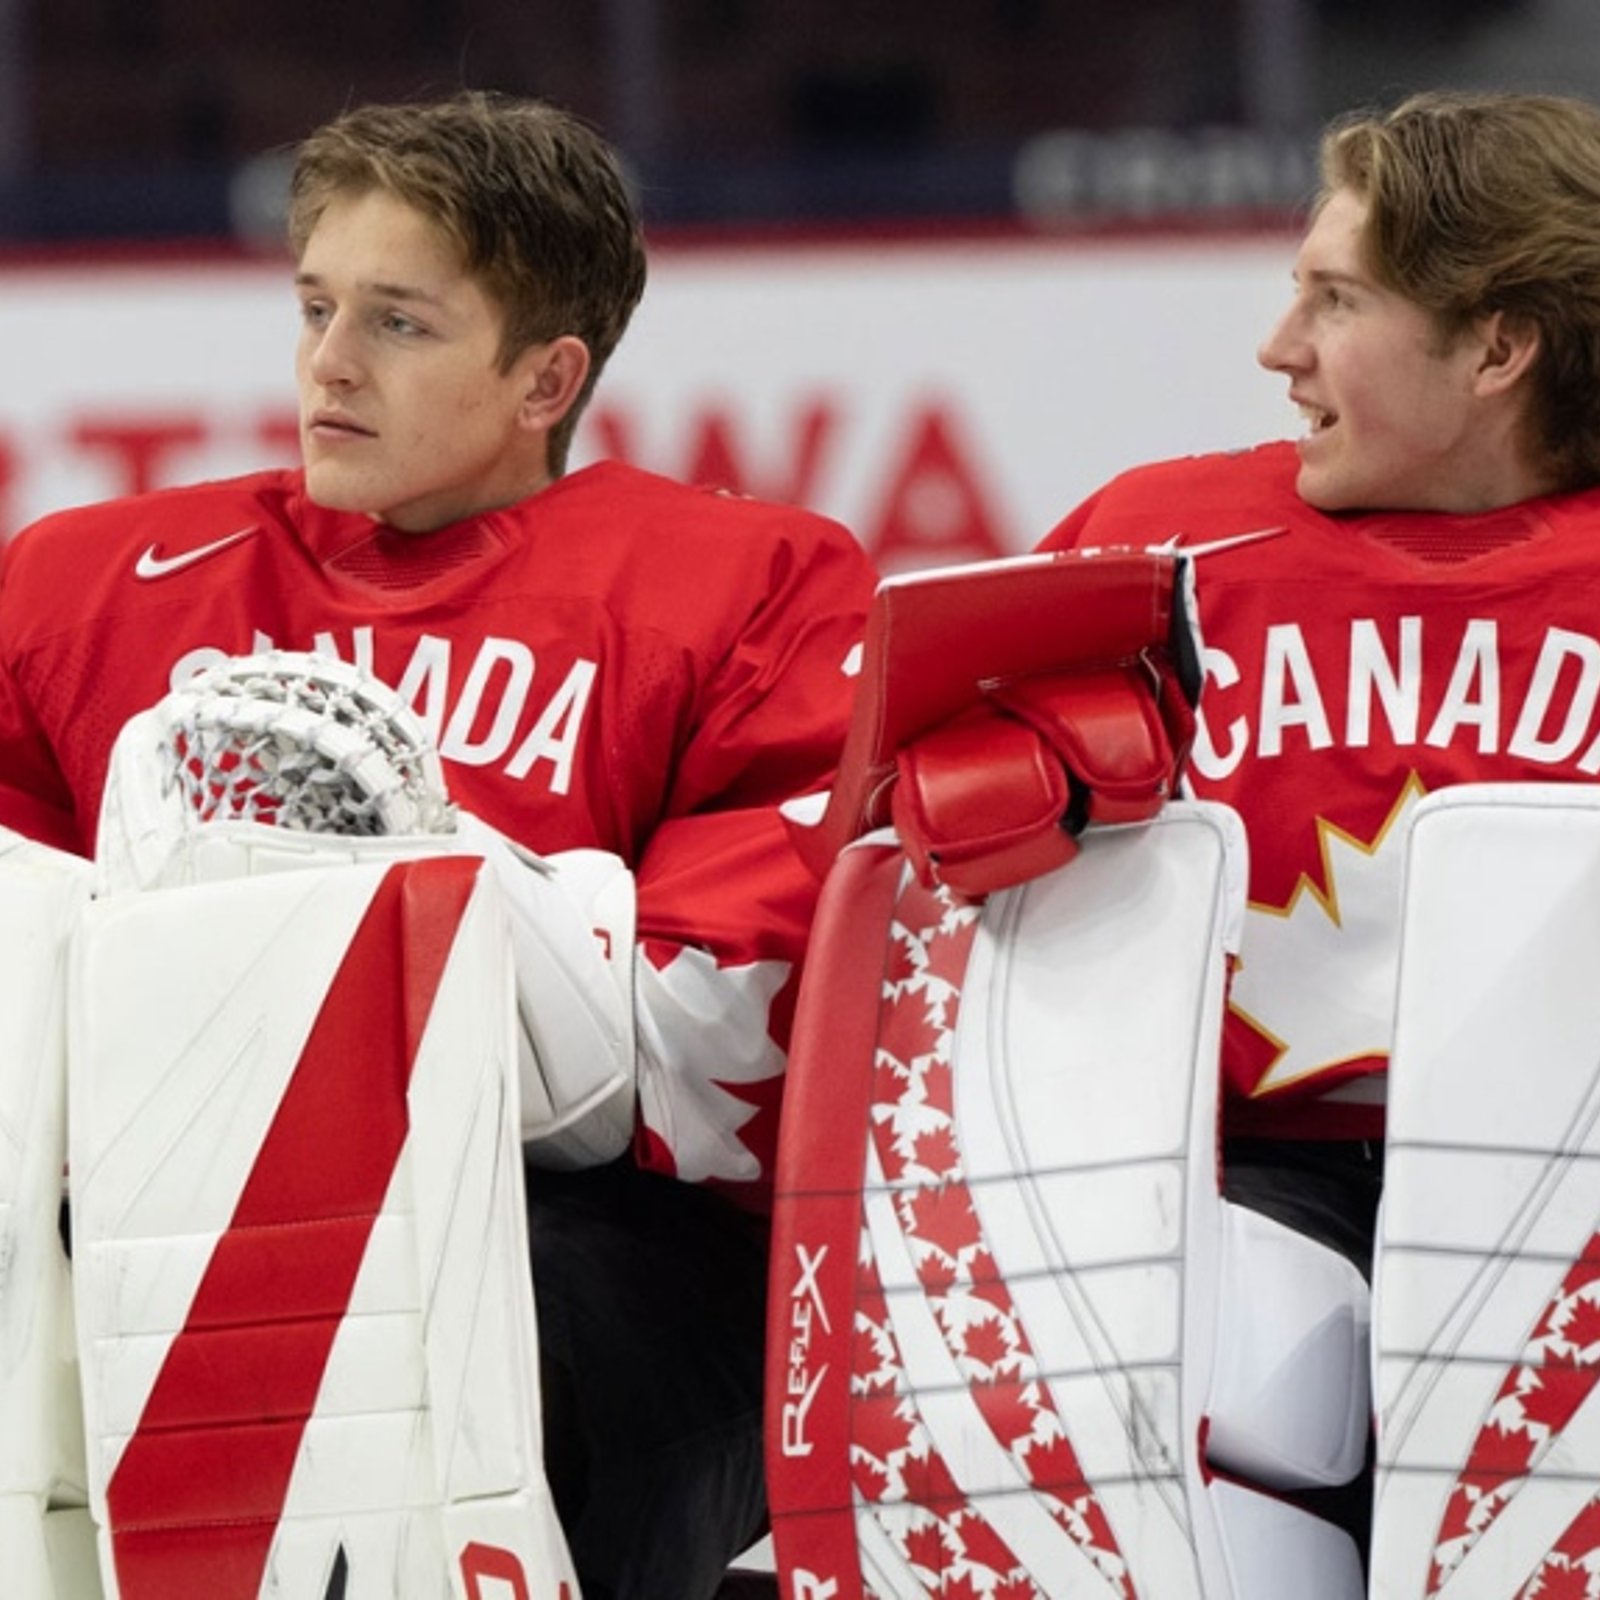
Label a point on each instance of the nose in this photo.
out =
(333, 359)
(1285, 348)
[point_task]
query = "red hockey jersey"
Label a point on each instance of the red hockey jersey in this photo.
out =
(618, 662)
(1353, 663)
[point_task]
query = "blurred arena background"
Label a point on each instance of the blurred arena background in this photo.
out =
(936, 268)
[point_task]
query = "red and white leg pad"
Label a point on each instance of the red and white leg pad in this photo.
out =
(1000, 1335)
(1487, 1304)
(46, 1538)
(305, 1317)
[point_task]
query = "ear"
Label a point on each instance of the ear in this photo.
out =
(552, 376)
(1509, 346)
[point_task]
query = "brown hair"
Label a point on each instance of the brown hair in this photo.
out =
(533, 198)
(1491, 202)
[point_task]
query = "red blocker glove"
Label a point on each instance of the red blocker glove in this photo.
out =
(999, 794)
(1005, 705)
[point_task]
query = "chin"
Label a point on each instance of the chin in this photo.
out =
(1333, 491)
(334, 490)
(1319, 492)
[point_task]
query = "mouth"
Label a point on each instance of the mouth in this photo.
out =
(1314, 419)
(336, 425)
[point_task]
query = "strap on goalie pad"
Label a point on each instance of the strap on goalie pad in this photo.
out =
(573, 937)
(46, 1538)
(1097, 651)
(1488, 1408)
(305, 1318)
(997, 1332)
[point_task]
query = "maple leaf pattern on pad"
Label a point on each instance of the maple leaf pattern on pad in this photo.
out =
(916, 1142)
(1538, 1397)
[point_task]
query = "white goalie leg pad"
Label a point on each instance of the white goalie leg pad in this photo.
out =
(1488, 1263)
(305, 1316)
(46, 1538)
(572, 923)
(999, 1249)
(1290, 1403)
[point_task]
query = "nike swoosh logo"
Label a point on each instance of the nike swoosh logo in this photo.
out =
(152, 565)
(1173, 547)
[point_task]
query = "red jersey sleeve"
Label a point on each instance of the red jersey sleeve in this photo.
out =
(34, 796)
(725, 904)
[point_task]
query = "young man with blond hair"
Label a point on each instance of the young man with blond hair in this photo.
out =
(1402, 600)
(1376, 599)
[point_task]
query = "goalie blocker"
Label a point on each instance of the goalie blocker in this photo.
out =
(1017, 1339)
(990, 748)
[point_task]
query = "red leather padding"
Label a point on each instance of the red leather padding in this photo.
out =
(980, 803)
(995, 796)
(1106, 727)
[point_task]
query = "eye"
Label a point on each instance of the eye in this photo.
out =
(397, 322)
(315, 313)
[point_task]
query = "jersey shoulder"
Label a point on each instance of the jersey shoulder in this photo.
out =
(1186, 498)
(105, 525)
(69, 559)
(1253, 483)
(634, 502)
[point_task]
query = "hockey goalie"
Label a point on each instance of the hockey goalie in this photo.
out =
(1020, 1343)
(300, 1082)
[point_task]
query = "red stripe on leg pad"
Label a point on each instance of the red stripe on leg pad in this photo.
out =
(219, 1434)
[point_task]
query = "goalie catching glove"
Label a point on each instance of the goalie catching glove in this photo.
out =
(282, 759)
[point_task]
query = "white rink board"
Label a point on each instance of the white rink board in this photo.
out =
(944, 399)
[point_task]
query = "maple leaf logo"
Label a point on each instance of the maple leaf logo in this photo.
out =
(981, 1545)
(935, 1151)
(1017, 1587)
(986, 1346)
(881, 1430)
(925, 1548)
(697, 1010)
(1557, 1580)
(943, 1218)
(1341, 942)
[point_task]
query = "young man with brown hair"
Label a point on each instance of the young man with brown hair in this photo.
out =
(607, 661)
